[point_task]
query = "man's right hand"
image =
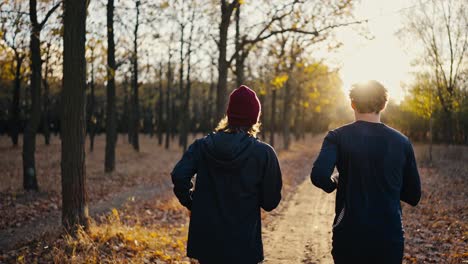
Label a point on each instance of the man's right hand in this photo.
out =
(335, 178)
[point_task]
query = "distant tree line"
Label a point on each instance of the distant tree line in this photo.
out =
(436, 105)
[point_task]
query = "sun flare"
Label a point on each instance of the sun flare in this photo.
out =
(383, 57)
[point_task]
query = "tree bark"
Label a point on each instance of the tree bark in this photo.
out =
(223, 64)
(261, 97)
(160, 106)
(111, 111)
(287, 115)
(135, 99)
(211, 98)
(239, 57)
(29, 141)
(181, 93)
(91, 115)
(188, 87)
(15, 108)
(46, 104)
(273, 117)
(127, 109)
(74, 204)
(169, 102)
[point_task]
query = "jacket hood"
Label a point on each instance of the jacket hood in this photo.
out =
(227, 150)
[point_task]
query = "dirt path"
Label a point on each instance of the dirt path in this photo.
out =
(301, 233)
(10, 238)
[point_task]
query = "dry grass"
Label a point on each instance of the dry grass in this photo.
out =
(116, 241)
(152, 232)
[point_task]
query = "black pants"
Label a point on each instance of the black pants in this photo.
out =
(382, 253)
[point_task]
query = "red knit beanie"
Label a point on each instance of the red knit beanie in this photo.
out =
(244, 107)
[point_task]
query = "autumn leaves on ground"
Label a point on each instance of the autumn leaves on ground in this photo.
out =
(137, 220)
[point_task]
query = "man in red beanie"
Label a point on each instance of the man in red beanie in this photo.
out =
(236, 176)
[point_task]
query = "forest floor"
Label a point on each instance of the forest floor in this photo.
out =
(136, 219)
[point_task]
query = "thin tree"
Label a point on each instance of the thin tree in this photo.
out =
(46, 103)
(12, 35)
(90, 104)
(29, 137)
(160, 105)
(135, 100)
(169, 99)
(15, 107)
(111, 111)
(180, 98)
(74, 204)
(227, 9)
(186, 105)
(279, 52)
(295, 51)
(128, 120)
(212, 96)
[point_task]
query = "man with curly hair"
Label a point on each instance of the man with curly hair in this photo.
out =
(376, 170)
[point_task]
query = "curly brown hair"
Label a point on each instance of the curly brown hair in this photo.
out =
(223, 126)
(368, 97)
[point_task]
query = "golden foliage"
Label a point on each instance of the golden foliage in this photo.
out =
(279, 81)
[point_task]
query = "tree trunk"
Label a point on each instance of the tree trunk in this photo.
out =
(135, 99)
(287, 115)
(262, 131)
(128, 109)
(186, 108)
(111, 111)
(186, 118)
(223, 65)
(302, 123)
(274, 91)
(174, 114)
(273, 117)
(29, 142)
(14, 114)
(169, 102)
(211, 99)
(181, 93)
(91, 120)
(46, 112)
(74, 205)
(239, 56)
(297, 122)
(430, 139)
(161, 105)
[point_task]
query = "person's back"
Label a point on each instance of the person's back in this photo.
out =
(236, 176)
(377, 169)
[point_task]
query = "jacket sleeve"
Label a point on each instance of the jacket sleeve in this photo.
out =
(272, 183)
(411, 185)
(325, 164)
(182, 175)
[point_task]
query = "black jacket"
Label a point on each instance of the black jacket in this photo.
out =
(236, 174)
(377, 169)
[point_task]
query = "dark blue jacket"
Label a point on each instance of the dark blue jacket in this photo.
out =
(236, 175)
(377, 169)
